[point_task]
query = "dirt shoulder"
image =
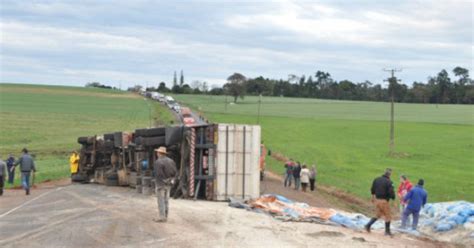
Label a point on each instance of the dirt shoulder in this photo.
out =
(323, 196)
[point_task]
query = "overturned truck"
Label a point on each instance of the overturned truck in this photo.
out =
(214, 161)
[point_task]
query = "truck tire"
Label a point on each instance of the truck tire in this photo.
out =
(154, 141)
(109, 145)
(160, 131)
(78, 178)
(118, 139)
(109, 136)
(111, 182)
(83, 140)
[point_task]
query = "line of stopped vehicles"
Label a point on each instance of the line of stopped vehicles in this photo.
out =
(184, 112)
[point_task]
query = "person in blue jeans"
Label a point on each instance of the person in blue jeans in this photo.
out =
(297, 175)
(416, 199)
(11, 173)
(289, 173)
(26, 166)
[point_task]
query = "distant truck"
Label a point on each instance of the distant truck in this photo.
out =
(187, 116)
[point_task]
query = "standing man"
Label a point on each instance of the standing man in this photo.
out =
(3, 174)
(26, 166)
(165, 171)
(74, 162)
(297, 175)
(312, 177)
(11, 173)
(289, 173)
(382, 191)
(416, 199)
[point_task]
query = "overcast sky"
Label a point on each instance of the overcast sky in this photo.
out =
(127, 42)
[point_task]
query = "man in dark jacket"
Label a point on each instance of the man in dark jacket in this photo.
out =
(26, 166)
(297, 176)
(165, 172)
(416, 199)
(11, 173)
(382, 191)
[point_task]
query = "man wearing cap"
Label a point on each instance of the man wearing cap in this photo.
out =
(416, 199)
(165, 171)
(382, 191)
(26, 166)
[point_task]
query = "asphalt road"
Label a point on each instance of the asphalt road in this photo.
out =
(77, 216)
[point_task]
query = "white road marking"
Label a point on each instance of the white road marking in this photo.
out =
(24, 204)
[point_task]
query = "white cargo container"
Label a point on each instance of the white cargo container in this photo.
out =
(237, 162)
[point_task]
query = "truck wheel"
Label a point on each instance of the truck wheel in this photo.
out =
(83, 140)
(111, 182)
(154, 141)
(150, 132)
(109, 136)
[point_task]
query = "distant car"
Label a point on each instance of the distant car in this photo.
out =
(176, 108)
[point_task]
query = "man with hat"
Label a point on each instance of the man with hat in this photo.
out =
(165, 172)
(416, 199)
(382, 191)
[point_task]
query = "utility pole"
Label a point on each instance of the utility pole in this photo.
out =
(392, 82)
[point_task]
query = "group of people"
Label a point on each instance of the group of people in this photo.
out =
(412, 199)
(300, 175)
(27, 165)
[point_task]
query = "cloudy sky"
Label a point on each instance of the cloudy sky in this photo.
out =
(127, 42)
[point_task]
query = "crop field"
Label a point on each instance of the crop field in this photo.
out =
(49, 119)
(348, 140)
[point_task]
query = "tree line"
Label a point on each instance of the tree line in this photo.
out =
(440, 88)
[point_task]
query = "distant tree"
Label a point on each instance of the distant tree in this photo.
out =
(323, 83)
(217, 91)
(162, 88)
(186, 89)
(175, 79)
(462, 85)
(204, 87)
(236, 86)
(99, 85)
(443, 83)
(136, 88)
(196, 84)
(176, 89)
(181, 79)
(463, 73)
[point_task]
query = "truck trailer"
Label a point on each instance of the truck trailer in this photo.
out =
(214, 161)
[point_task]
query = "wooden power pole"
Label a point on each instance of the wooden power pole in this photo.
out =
(392, 83)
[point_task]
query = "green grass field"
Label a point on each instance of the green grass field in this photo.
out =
(349, 140)
(49, 119)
